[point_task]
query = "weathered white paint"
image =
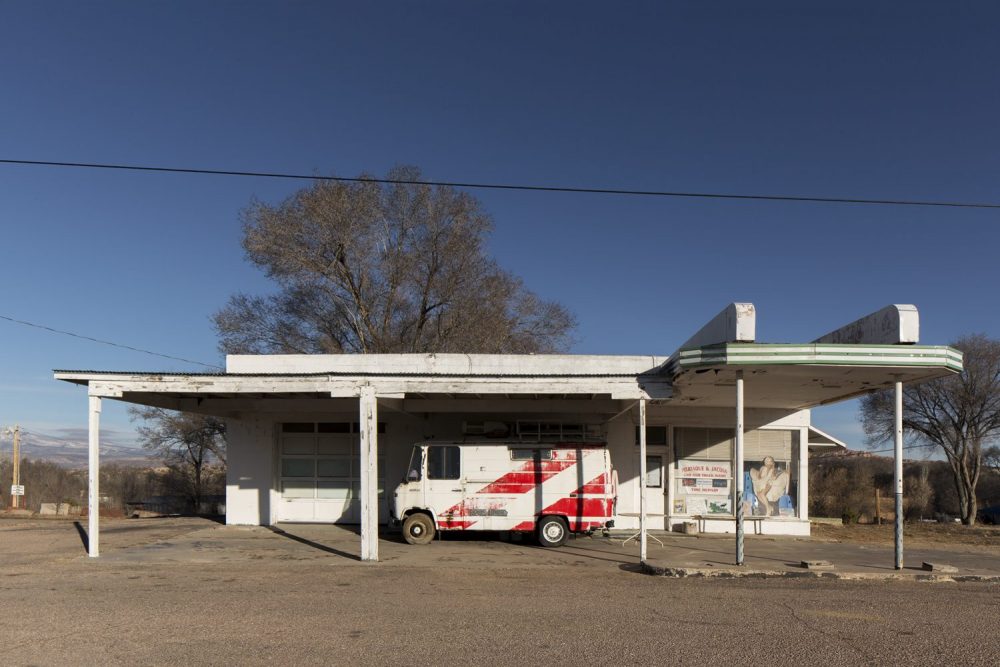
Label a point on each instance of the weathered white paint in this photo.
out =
(774, 354)
(684, 415)
(642, 481)
(781, 382)
(619, 387)
(251, 492)
(430, 395)
(754, 526)
(898, 473)
(738, 468)
(443, 364)
(803, 479)
(736, 323)
(893, 325)
(369, 473)
(94, 479)
(823, 440)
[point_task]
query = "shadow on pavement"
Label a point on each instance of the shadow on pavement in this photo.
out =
(633, 568)
(83, 536)
(583, 552)
(314, 545)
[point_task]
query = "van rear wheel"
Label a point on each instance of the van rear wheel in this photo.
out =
(418, 529)
(552, 531)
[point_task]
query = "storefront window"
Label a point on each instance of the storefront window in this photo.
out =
(770, 467)
(704, 471)
(704, 483)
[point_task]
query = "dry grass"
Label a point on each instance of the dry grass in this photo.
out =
(930, 534)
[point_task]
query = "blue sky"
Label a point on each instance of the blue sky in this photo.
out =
(855, 99)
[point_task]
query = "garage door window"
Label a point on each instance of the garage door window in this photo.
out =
(298, 467)
(322, 466)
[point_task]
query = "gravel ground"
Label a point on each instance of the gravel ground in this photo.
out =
(184, 591)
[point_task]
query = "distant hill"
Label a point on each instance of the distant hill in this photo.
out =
(71, 450)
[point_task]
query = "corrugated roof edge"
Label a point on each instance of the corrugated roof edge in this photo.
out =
(345, 374)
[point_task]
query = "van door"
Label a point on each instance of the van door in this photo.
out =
(444, 487)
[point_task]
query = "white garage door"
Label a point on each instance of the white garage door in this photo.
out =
(320, 473)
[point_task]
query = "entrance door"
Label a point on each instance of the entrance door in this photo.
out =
(656, 499)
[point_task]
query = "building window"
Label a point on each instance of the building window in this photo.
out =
(770, 473)
(654, 472)
(298, 427)
(703, 471)
(325, 427)
(334, 427)
(655, 435)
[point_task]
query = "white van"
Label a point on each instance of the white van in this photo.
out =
(549, 489)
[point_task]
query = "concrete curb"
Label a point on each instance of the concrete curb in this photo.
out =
(733, 573)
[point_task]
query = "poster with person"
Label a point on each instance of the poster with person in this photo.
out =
(767, 488)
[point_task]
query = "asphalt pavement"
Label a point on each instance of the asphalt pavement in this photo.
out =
(172, 591)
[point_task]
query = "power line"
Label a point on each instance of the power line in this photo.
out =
(108, 342)
(511, 186)
(891, 449)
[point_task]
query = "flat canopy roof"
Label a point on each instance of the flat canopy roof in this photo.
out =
(802, 376)
(789, 377)
(840, 365)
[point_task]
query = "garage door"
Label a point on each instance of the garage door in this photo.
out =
(320, 476)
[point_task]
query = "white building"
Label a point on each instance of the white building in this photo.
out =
(321, 438)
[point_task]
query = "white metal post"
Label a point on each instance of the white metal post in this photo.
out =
(738, 474)
(15, 500)
(369, 474)
(802, 501)
(642, 480)
(898, 475)
(94, 472)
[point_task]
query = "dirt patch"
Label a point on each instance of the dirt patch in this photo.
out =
(929, 534)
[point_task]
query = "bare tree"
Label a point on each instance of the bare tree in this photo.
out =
(959, 414)
(991, 457)
(370, 267)
(919, 493)
(187, 443)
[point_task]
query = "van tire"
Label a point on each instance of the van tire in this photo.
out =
(552, 531)
(418, 528)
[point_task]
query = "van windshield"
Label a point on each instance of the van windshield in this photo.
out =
(413, 470)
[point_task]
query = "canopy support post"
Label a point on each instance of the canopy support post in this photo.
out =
(94, 479)
(898, 474)
(738, 474)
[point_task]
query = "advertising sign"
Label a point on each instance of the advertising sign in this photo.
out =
(705, 469)
(17, 489)
(704, 478)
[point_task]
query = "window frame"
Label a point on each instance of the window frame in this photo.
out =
(445, 463)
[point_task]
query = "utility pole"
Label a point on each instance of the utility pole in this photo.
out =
(878, 508)
(16, 480)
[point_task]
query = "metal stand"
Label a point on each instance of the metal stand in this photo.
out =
(636, 537)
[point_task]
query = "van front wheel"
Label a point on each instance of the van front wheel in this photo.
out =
(418, 528)
(552, 531)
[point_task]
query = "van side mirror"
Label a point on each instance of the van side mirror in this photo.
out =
(413, 476)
